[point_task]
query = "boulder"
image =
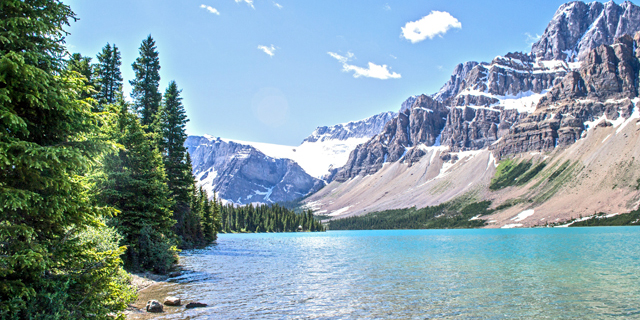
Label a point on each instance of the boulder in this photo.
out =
(192, 305)
(172, 301)
(154, 306)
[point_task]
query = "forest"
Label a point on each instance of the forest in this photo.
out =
(265, 218)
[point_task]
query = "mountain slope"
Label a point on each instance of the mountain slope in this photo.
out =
(536, 110)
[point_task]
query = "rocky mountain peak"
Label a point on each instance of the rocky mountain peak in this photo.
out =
(576, 28)
(365, 128)
(456, 83)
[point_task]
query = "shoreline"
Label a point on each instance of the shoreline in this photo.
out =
(142, 282)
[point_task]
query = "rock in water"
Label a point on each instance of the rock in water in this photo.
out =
(154, 306)
(192, 305)
(172, 301)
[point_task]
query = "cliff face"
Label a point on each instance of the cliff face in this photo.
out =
(576, 28)
(422, 123)
(604, 85)
(242, 174)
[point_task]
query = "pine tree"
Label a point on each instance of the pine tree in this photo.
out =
(49, 138)
(145, 85)
(109, 75)
(135, 184)
(174, 120)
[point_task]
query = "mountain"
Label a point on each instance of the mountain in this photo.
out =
(246, 172)
(577, 27)
(241, 174)
(540, 119)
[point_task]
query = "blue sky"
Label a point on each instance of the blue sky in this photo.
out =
(272, 71)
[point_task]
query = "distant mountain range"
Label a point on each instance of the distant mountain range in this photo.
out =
(560, 123)
(247, 172)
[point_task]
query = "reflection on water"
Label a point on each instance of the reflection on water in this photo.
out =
(446, 274)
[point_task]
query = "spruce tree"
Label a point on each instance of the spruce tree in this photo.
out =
(135, 183)
(109, 75)
(145, 90)
(174, 120)
(49, 138)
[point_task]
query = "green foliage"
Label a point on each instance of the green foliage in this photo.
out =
(559, 171)
(527, 176)
(450, 215)
(154, 250)
(266, 218)
(134, 182)
(82, 65)
(109, 75)
(627, 219)
(176, 162)
(510, 173)
(145, 85)
(508, 204)
(49, 137)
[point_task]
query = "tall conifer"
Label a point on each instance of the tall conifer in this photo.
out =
(48, 139)
(109, 75)
(145, 90)
(173, 122)
(135, 183)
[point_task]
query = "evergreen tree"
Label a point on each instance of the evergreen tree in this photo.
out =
(109, 76)
(176, 163)
(82, 65)
(145, 85)
(135, 183)
(48, 139)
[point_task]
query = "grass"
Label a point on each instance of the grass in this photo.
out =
(511, 173)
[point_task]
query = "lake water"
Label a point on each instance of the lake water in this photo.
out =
(559, 273)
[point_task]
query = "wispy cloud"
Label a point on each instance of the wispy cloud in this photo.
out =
(372, 71)
(532, 39)
(392, 56)
(268, 50)
(279, 6)
(386, 7)
(210, 9)
(249, 2)
(436, 23)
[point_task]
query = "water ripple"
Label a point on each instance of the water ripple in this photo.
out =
(586, 273)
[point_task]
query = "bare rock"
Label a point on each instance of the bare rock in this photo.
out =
(192, 305)
(172, 301)
(154, 306)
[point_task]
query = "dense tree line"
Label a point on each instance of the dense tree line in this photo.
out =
(450, 215)
(266, 218)
(89, 183)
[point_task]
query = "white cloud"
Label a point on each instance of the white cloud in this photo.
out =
(249, 2)
(279, 6)
(268, 50)
(392, 56)
(387, 7)
(436, 23)
(210, 9)
(372, 71)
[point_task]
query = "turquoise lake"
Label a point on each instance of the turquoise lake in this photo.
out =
(548, 273)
